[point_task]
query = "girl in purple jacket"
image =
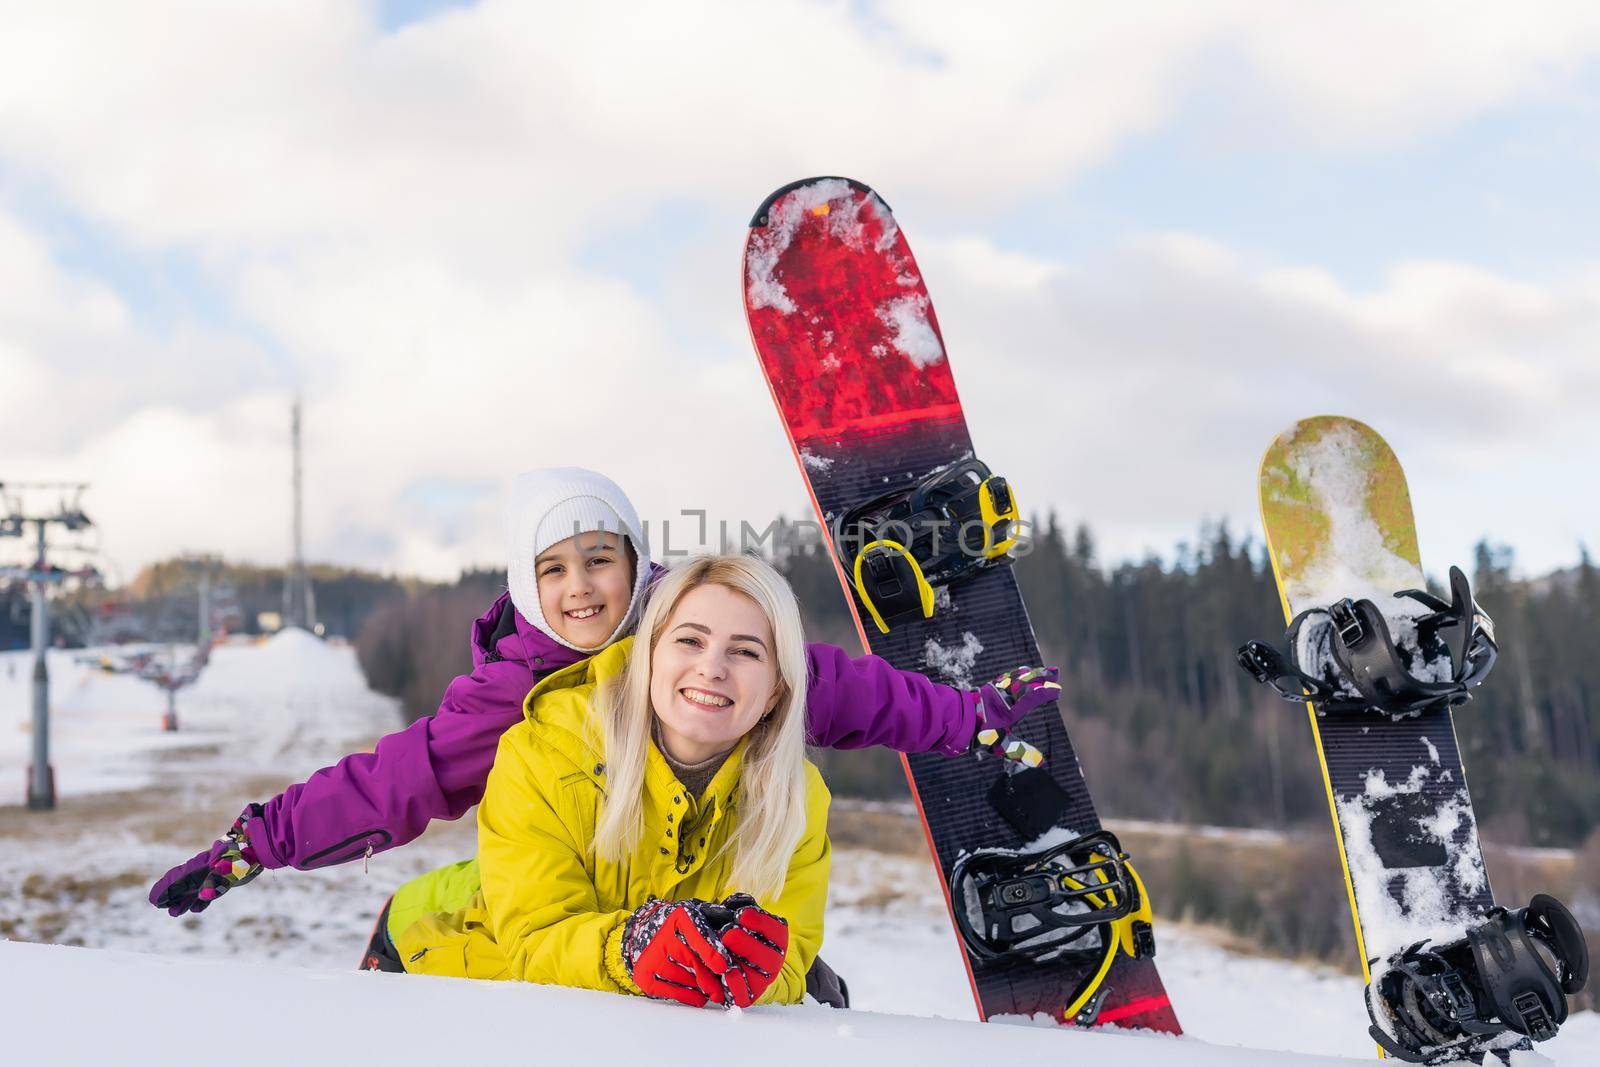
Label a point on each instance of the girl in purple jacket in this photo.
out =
(578, 571)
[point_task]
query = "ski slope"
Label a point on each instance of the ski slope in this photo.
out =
(287, 702)
(275, 957)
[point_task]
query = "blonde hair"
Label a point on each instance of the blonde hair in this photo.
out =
(772, 809)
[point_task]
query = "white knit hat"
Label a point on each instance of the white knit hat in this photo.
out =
(551, 505)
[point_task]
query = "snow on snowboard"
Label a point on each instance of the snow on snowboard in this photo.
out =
(1382, 663)
(1050, 913)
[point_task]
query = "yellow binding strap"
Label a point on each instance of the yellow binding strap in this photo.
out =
(924, 590)
(1120, 934)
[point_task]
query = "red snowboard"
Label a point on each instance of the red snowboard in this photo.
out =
(852, 352)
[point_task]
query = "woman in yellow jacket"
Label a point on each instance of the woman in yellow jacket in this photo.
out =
(653, 825)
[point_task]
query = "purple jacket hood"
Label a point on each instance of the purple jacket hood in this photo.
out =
(504, 635)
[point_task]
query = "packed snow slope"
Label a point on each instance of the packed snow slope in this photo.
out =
(146, 1009)
(266, 974)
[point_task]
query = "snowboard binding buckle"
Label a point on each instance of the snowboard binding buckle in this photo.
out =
(997, 507)
(1144, 940)
(1346, 623)
(956, 522)
(1263, 663)
(1269, 667)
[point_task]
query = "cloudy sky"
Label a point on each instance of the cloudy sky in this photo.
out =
(485, 237)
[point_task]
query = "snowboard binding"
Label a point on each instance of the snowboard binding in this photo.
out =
(1079, 900)
(958, 521)
(1510, 974)
(1345, 657)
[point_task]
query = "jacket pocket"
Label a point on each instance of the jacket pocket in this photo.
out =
(446, 960)
(348, 849)
(457, 945)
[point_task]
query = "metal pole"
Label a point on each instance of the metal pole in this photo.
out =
(205, 616)
(294, 594)
(41, 779)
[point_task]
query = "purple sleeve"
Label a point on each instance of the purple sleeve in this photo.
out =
(863, 701)
(433, 769)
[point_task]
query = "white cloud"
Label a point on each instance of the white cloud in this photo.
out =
(1370, 73)
(73, 358)
(394, 223)
(497, 134)
(1171, 363)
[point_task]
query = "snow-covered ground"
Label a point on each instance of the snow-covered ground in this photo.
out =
(135, 800)
(150, 1010)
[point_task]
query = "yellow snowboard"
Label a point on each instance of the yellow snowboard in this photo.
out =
(1339, 524)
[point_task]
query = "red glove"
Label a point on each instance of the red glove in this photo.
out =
(758, 941)
(672, 953)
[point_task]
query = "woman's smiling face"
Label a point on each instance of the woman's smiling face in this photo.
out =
(712, 673)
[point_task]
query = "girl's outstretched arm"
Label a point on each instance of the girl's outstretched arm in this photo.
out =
(861, 701)
(433, 769)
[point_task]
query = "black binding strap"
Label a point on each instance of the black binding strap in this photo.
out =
(1370, 670)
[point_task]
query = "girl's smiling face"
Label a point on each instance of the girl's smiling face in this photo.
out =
(712, 673)
(585, 586)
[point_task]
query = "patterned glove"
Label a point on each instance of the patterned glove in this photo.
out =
(758, 941)
(672, 952)
(194, 884)
(1003, 702)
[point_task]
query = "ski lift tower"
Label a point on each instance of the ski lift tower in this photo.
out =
(14, 521)
(299, 602)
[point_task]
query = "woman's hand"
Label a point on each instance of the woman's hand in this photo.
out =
(673, 953)
(191, 886)
(757, 940)
(699, 953)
